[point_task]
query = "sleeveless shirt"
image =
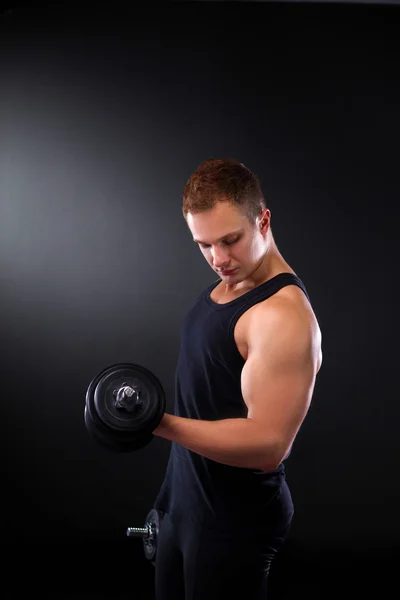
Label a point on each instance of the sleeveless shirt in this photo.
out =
(208, 387)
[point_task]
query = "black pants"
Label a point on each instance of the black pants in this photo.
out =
(198, 563)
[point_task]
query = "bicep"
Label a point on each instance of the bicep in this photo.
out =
(278, 379)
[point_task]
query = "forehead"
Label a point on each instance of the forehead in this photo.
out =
(216, 223)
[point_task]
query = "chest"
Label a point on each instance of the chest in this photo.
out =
(243, 323)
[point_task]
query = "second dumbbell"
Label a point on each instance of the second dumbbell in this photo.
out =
(149, 533)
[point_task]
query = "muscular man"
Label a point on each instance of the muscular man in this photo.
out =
(249, 356)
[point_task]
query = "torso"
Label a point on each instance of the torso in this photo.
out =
(290, 292)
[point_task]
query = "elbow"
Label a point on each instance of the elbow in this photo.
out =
(270, 466)
(274, 457)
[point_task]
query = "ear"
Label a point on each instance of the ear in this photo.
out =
(264, 220)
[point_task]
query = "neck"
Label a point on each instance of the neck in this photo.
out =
(271, 264)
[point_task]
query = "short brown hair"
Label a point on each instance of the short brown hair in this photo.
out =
(223, 180)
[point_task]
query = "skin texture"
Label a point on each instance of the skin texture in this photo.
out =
(279, 339)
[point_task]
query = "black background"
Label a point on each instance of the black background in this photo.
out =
(104, 113)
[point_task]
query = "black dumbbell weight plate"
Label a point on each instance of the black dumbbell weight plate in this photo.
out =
(154, 519)
(118, 429)
(101, 398)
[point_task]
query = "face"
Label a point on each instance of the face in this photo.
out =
(228, 241)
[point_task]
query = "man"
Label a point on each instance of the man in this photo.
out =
(249, 356)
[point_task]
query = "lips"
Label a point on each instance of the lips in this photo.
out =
(227, 272)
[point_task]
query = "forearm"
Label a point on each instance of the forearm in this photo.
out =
(234, 442)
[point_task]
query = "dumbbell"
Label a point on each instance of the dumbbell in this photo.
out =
(125, 402)
(149, 533)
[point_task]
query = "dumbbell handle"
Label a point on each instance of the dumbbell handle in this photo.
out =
(148, 532)
(137, 531)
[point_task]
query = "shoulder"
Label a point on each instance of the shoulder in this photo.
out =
(286, 319)
(289, 302)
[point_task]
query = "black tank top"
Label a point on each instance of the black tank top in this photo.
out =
(208, 387)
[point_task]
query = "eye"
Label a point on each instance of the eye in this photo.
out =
(226, 243)
(231, 242)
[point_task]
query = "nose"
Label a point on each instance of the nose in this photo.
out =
(220, 258)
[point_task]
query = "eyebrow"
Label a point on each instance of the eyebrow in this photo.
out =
(222, 238)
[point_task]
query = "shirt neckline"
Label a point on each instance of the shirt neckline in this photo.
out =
(262, 286)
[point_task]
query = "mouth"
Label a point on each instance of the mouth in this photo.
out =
(225, 273)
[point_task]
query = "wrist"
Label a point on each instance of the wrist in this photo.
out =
(161, 427)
